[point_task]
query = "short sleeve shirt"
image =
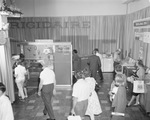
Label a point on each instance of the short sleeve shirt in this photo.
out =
(48, 76)
(20, 72)
(81, 90)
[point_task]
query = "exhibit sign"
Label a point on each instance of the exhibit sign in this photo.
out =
(142, 30)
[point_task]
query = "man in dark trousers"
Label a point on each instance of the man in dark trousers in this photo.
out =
(94, 65)
(47, 89)
(76, 60)
(76, 63)
(99, 70)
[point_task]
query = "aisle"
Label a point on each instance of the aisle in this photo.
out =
(32, 108)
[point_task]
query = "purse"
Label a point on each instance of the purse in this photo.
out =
(75, 117)
(97, 87)
(138, 86)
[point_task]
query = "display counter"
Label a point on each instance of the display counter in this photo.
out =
(107, 64)
(145, 97)
(128, 70)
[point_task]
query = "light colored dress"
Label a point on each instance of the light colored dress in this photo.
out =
(94, 107)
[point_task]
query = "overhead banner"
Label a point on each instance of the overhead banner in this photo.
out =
(142, 29)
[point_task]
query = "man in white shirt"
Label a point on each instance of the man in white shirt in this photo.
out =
(20, 72)
(47, 89)
(99, 70)
(6, 112)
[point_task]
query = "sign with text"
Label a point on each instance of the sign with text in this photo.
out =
(142, 29)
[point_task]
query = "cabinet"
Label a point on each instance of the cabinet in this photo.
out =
(107, 64)
(145, 99)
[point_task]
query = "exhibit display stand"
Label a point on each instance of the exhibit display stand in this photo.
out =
(107, 64)
(6, 73)
(57, 54)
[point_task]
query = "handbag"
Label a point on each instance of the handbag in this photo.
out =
(138, 86)
(97, 87)
(74, 117)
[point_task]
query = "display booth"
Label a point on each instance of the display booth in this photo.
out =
(6, 73)
(57, 54)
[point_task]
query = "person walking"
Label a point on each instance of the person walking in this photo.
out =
(94, 65)
(76, 61)
(76, 64)
(47, 89)
(20, 73)
(99, 69)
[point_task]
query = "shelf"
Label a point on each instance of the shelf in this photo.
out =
(9, 14)
(4, 13)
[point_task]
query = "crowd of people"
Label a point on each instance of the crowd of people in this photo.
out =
(85, 100)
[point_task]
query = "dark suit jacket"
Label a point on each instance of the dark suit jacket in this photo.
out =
(76, 62)
(94, 64)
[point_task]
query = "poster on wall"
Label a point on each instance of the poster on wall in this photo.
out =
(146, 37)
(141, 52)
(65, 49)
(35, 52)
(142, 30)
(138, 36)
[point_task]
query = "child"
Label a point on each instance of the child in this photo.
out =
(118, 94)
(115, 84)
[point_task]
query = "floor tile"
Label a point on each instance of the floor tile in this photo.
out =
(56, 107)
(107, 108)
(68, 97)
(31, 101)
(101, 93)
(32, 108)
(104, 101)
(29, 107)
(39, 114)
(56, 101)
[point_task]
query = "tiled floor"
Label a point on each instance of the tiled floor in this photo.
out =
(32, 108)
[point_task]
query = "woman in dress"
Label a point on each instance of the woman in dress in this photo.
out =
(140, 74)
(85, 99)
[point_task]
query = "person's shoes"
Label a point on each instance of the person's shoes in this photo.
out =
(44, 113)
(127, 105)
(137, 103)
(26, 96)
